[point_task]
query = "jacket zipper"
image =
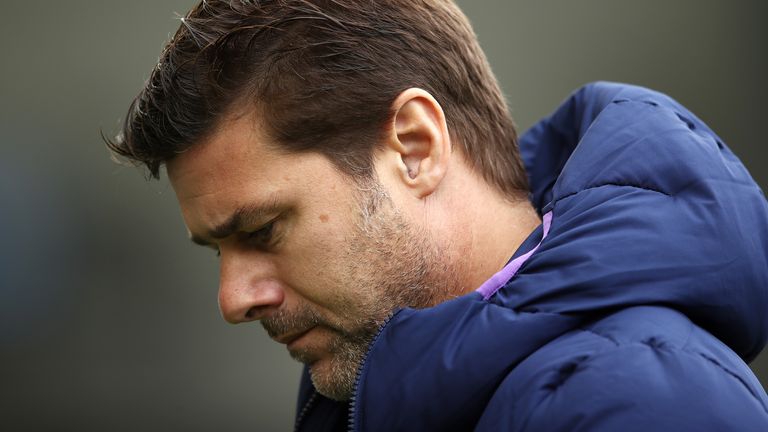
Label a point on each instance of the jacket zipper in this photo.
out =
(359, 373)
(304, 410)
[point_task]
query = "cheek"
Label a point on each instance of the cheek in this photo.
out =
(315, 259)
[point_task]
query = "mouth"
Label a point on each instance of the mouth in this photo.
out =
(290, 338)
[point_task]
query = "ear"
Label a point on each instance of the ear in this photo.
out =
(419, 144)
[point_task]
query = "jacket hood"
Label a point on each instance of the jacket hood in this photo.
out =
(653, 209)
(648, 207)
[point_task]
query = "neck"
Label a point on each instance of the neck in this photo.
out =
(498, 231)
(487, 229)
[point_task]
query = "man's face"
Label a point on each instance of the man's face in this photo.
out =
(320, 260)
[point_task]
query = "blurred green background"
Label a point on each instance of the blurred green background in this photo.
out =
(108, 314)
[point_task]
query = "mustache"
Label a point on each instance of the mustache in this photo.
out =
(286, 322)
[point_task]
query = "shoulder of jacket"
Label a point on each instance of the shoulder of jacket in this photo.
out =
(622, 372)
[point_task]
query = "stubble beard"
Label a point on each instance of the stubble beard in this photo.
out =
(389, 265)
(346, 345)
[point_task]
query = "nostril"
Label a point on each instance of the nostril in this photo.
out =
(253, 313)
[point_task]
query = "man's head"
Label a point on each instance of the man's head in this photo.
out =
(336, 154)
(303, 249)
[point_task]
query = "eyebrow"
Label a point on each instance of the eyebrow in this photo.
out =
(244, 216)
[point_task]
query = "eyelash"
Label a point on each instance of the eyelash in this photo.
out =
(256, 238)
(266, 230)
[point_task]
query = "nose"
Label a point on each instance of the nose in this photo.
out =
(248, 288)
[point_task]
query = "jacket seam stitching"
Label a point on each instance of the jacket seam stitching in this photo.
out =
(629, 185)
(734, 375)
(669, 349)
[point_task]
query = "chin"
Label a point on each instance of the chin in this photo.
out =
(332, 380)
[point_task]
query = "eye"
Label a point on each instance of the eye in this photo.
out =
(262, 237)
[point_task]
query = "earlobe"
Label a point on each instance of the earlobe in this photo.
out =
(420, 138)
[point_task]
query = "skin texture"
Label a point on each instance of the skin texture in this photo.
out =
(322, 260)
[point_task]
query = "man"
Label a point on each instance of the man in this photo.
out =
(356, 169)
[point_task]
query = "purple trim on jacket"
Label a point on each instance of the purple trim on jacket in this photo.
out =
(489, 287)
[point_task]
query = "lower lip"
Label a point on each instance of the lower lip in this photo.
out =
(294, 343)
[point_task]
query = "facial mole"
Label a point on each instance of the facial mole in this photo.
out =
(323, 218)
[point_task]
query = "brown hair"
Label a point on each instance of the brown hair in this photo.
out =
(323, 75)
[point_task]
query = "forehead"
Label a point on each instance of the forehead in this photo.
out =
(235, 151)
